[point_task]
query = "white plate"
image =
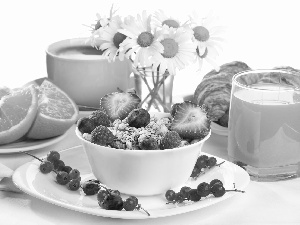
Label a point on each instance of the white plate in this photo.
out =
(29, 144)
(31, 181)
(217, 129)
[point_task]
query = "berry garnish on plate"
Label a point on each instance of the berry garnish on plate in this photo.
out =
(203, 190)
(203, 164)
(107, 199)
(190, 120)
(118, 105)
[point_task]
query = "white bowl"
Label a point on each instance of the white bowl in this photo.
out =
(83, 73)
(142, 172)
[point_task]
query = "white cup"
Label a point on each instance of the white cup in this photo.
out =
(83, 73)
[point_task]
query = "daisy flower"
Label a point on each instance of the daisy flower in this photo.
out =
(179, 50)
(102, 22)
(160, 19)
(141, 42)
(112, 39)
(207, 39)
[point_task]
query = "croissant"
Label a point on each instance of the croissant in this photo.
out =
(215, 89)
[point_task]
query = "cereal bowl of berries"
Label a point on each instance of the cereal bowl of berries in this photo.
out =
(142, 153)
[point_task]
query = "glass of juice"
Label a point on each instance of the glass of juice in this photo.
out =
(264, 124)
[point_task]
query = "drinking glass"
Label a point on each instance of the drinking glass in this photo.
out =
(264, 124)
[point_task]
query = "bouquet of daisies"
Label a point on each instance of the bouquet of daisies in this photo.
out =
(158, 41)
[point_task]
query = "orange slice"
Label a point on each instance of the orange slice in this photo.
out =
(17, 112)
(4, 91)
(57, 112)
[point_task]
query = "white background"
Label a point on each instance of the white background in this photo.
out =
(261, 33)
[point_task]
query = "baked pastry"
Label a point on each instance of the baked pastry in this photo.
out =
(288, 80)
(215, 89)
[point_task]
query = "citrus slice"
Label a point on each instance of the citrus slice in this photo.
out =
(17, 113)
(57, 112)
(4, 91)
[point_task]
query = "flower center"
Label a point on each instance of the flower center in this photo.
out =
(201, 33)
(203, 55)
(171, 23)
(98, 25)
(118, 39)
(145, 39)
(170, 47)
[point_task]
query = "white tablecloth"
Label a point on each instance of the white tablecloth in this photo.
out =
(263, 202)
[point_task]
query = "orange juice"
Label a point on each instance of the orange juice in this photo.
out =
(264, 129)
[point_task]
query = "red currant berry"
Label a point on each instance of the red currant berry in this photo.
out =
(130, 203)
(196, 171)
(53, 156)
(194, 196)
(179, 198)
(170, 195)
(201, 162)
(215, 181)
(74, 174)
(101, 195)
(62, 177)
(112, 202)
(46, 167)
(212, 161)
(73, 185)
(90, 187)
(58, 164)
(203, 189)
(185, 191)
(115, 192)
(218, 190)
(66, 169)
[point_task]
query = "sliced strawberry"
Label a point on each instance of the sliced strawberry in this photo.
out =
(190, 120)
(119, 104)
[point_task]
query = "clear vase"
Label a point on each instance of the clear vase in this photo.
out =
(154, 89)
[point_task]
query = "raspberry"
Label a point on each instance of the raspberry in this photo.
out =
(149, 144)
(101, 135)
(117, 144)
(99, 117)
(138, 118)
(170, 140)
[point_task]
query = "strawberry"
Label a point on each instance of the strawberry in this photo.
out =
(190, 121)
(119, 104)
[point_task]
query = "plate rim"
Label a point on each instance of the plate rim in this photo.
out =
(42, 144)
(16, 178)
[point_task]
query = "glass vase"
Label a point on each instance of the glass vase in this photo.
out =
(154, 89)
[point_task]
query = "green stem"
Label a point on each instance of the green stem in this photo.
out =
(153, 92)
(149, 94)
(31, 155)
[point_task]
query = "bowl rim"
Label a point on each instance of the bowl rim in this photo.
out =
(65, 41)
(136, 151)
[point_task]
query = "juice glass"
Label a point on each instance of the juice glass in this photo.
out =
(264, 124)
